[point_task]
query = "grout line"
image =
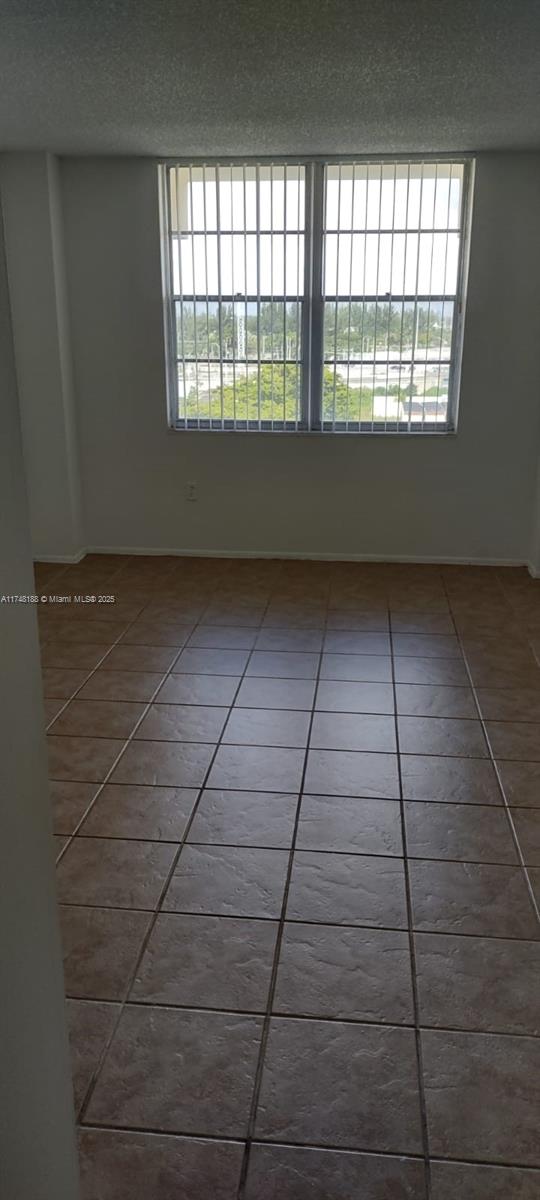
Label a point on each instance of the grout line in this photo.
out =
(507, 806)
(277, 951)
(412, 952)
(431, 932)
(472, 804)
(272, 746)
(282, 848)
(330, 1147)
(318, 1018)
(317, 1146)
(330, 712)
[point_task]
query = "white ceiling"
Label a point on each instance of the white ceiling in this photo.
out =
(169, 77)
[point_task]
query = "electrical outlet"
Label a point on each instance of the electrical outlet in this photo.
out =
(191, 491)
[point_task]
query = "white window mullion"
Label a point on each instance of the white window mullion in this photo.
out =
(314, 298)
(305, 398)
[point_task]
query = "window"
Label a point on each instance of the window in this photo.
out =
(315, 296)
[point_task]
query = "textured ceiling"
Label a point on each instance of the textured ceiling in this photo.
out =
(269, 76)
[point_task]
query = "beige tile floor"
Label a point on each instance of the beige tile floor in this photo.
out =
(297, 813)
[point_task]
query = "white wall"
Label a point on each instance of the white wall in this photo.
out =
(468, 496)
(36, 271)
(37, 1125)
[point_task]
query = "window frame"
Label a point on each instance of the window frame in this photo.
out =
(312, 300)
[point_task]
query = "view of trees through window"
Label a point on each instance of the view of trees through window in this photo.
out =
(225, 346)
(389, 244)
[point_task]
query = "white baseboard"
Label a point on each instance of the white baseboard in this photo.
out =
(65, 558)
(323, 556)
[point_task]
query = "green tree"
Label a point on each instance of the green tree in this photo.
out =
(273, 394)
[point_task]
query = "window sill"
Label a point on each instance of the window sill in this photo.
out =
(427, 432)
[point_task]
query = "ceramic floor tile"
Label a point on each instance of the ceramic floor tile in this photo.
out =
(306, 640)
(121, 685)
(521, 783)
(69, 803)
(355, 974)
(534, 876)
(446, 672)
(169, 764)
(340, 1085)
(51, 709)
(181, 608)
(509, 704)
(90, 1026)
(514, 740)
(433, 735)
(350, 773)
(449, 1180)
(140, 1084)
(82, 759)
(98, 718)
(359, 601)
(114, 873)
(73, 656)
(211, 662)
(87, 632)
(350, 825)
(527, 826)
(228, 881)
(345, 642)
(235, 614)
(485, 984)
(349, 697)
(135, 811)
(257, 768)
(60, 683)
(222, 637)
(293, 616)
(426, 645)
(471, 833)
(418, 622)
(482, 1095)
(488, 675)
(267, 727)
(146, 632)
(361, 668)
(120, 1165)
(207, 962)
(263, 819)
(294, 694)
(298, 1173)
(423, 700)
(283, 664)
(140, 658)
(353, 731)
(463, 781)
(182, 723)
(100, 948)
(360, 621)
(347, 889)
(421, 599)
(216, 690)
(490, 901)
(495, 649)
